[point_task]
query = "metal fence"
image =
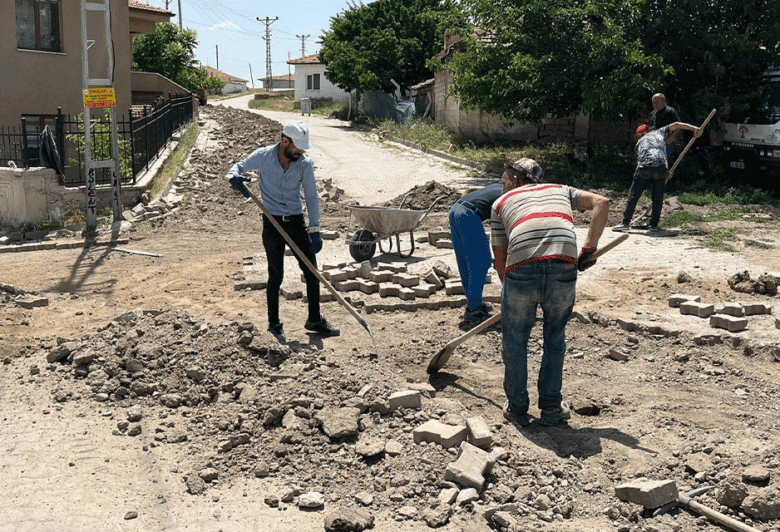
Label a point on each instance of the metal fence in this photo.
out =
(142, 136)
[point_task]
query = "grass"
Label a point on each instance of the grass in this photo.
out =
(284, 101)
(175, 162)
(718, 239)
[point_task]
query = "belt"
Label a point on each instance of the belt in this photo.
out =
(287, 217)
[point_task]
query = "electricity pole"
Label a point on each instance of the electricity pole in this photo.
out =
(303, 43)
(268, 73)
(180, 26)
(217, 57)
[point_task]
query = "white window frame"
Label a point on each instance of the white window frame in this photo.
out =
(313, 82)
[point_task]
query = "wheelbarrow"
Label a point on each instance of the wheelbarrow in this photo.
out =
(378, 223)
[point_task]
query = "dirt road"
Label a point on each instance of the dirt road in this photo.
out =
(689, 402)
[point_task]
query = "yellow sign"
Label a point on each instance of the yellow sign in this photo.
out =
(102, 97)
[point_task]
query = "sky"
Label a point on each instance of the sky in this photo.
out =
(231, 38)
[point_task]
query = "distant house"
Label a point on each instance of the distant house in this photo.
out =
(232, 83)
(285, 81)
(311, 80)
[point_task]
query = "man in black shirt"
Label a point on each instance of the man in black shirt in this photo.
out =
(662, 116)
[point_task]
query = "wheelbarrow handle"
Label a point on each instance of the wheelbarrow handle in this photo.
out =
(430, 208)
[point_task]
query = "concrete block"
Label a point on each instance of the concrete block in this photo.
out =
(367, 287)
(333, 266)
(444, 243)
(334, 276)
(730, 323)
(405, 399)
(469, 468)
(29, 302)
(347, 286)
(694, 308)
(442, 270)
(448, 495)
(424, 388)
(288, 293)
(329, 235)
(479, 433)
(434, 236)
(648, 493)
(395, 267)
(445, 435)
(406, 279)
(675, 300)
(388, 289)
(424, 290)
(407, 294)
(453, 288)
(753, 309)
(731, 309)
(617, 354)
(364, 269)
(351, 271)
(381, 276)
(431, 278)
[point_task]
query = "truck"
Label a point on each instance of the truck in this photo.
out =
(751, 143)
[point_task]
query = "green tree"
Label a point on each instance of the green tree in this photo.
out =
(525, 60)
(367, 46)
(169, 51)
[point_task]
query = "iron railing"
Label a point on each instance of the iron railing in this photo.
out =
(142, 137)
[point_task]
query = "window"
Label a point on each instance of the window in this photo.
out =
(313, 82)
(38, 25)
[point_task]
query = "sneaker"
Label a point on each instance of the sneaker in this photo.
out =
(622, 228)
(277, 330)
(653, 229)
(322, 327)
(552, 417)
(517, 419)
(479, 314)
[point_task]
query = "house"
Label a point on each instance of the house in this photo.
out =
(285, 81)
(311, 80)
(232, 83)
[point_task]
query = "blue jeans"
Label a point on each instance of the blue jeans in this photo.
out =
(472, 251)
(553, 286)
(654, 177)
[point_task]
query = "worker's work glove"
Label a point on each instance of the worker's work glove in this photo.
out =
(237, 182)
(582, 262)
(316, 242)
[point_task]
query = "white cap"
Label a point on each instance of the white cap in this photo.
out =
(298, 132)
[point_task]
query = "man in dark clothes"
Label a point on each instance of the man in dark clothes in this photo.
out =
(662, 116)
(472, 249)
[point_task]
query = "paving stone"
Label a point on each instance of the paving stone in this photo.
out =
(381, 276)
(448, 495)
(430, 277)
(294, 293)
(405, 399)
(648, 493)
(479, 433)
(470, 467)
(445, 435)
(329, 235)
(388, 289)
(730, 323)
(406, 294)
(332, 266)
(467, 496)
(395, 267)
(731, 309)
(424, 388)
(351, 271)
(753, 309)
(334, 276)
(675, 300)
(364, 269)
(424, 290)
(453, 288)
(434, 236)
(367, 287)
(694, 308)
(406, 279)
(444, 243)
(32, 302)
(347, 286)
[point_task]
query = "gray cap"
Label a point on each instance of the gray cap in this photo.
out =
(529, 167)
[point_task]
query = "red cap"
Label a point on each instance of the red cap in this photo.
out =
(643, 129)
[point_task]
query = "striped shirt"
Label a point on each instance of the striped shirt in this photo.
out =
(534, 222)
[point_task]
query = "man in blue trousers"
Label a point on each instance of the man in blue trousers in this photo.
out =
(472, 249)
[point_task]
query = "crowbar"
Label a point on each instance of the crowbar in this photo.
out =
(313, 268)
(674, 167)
(441, 358)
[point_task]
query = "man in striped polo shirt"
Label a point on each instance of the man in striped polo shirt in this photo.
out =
(535, 249)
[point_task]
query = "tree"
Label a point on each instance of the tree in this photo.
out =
(169, 51)
(367, 46)
(525, 60)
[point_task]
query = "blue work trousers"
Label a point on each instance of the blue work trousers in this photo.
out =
(553, 286)
(655, 178)
(472, 250)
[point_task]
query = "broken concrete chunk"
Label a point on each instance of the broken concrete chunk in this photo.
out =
(405, 399)
(675, 300)
(648, 493)
(479, 433)
(470, 467)
(445, 435)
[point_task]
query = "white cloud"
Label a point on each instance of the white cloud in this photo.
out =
(223, 25)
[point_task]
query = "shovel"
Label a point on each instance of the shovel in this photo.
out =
(441, 358)
(314, 269)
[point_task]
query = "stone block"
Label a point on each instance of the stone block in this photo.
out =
(444, 243)
(617, 354)
(730, 323)
(405, 399)
(367, 287)
(753, 309)
(381, 276)
(294, 293)
(388, 289)
(479, 433)
(470, 467)
(675, 300)
(694, 308)
(437, 432)
(29, 302)
(334, 276)
(424, 290)
(435, 236)
(648, 493)
(442, 270)
(406, 279)
(364, 269)
(407, 294)
(351, 271)
(329, 235)
(424, 388)
(431, 278)
(731, 309)
(347, 286)
(395, 267)
(453, 288)
(333, 266)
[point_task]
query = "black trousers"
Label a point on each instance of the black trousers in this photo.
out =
(275, 244)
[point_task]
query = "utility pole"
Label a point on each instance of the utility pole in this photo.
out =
(268, 73)
(252, 79)
(180, 26)
(303, 43)
(217, 57)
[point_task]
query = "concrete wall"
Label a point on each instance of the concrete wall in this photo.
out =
(36, 83)
(34, 195)
(327, 89)
(153, 82)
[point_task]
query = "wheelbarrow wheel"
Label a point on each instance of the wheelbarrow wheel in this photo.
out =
(361, 252)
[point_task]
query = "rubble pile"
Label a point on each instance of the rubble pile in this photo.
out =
(421, 197)
(765, 284)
